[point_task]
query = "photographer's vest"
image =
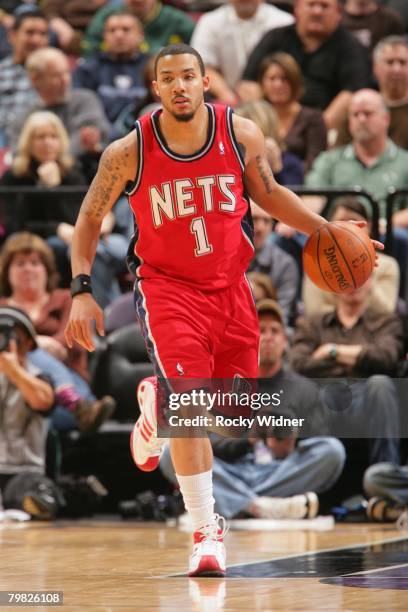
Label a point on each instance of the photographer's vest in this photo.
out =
(23, 431)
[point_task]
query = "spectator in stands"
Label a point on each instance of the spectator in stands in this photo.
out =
(384, 291)
(262, 286)
(371, 161)
(386, 485)
(43, 159)
(390, 60)
(162, 25)
(302, 129)
(286, 166)
(70, 18)
(6, 23)
(28, 33)
(28, 280)
(117, 75)
(79, 109)
(77, 14)
(61, 33)
(38, 296)
(401, 7)
(370, 22)
(226, 36)
(275, 263)
(126, 120)
(206, 5)
(356, 342)
(27, 399)
(333, 62)
(268, 472)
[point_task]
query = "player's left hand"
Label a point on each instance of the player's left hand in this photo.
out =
(84, 311)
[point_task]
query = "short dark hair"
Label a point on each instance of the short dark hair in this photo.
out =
(352, 204)
(123, 13)
(27, 14)
(181, 49)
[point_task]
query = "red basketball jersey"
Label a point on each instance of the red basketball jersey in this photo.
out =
(193, 221)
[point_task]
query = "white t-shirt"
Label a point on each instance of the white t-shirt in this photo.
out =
(225, 41)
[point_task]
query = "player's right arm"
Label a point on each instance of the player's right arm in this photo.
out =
(116, 168)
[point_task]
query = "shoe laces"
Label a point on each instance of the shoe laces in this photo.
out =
(216, 530)
(156, 445)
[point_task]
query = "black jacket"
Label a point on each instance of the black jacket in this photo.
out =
(40, 213)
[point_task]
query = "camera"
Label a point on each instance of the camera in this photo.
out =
(6, 334)
(149, 506)
(12, 320)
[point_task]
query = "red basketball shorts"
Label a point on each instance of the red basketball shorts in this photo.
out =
(192, 334)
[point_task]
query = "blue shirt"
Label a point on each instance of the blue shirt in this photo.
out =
(117, 82)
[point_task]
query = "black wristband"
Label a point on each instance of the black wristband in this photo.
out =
(81, 284)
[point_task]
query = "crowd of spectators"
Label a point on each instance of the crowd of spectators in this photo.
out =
(327, 83)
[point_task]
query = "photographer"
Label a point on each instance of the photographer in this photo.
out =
(26, 400)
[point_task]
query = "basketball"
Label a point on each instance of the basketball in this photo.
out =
(339, 257)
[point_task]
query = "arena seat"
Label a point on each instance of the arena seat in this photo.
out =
(120, 312)
(120, 363)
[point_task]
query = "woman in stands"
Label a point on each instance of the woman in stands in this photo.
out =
(301, 128)
(286, 166)
(28, 280)
(42, 159)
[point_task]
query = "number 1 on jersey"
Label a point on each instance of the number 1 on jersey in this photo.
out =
(198, 228)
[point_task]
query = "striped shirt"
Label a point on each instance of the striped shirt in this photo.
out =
(15, 90)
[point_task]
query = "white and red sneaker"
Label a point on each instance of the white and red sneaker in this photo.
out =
(208, 558)
(145, 446)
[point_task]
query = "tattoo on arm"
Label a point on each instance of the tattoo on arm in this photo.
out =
(110, 173)
(265, 172)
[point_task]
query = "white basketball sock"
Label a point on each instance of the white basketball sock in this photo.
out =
(197, 492)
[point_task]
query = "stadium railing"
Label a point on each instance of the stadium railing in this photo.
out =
(397, 199)
(331, 193)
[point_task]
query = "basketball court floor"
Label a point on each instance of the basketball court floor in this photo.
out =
(105, 566)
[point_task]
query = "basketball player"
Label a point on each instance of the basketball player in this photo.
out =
(189, 170)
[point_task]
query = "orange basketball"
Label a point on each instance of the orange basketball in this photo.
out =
(339, 257)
